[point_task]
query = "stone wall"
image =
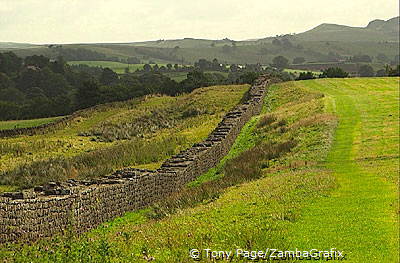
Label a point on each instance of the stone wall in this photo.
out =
(82, 205)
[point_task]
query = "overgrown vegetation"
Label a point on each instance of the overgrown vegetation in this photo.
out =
(249, 215)
(112, 139)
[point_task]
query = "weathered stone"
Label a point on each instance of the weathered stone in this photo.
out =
(82, 205)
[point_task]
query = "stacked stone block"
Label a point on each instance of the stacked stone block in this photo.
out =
(82, 205)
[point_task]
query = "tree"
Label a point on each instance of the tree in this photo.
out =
(248, 77)
(54, 84)
(393, 72)
(169, 67)
(216, 65)
(366, 71)
(381, 73)
(299, 60)
(108, 76)
(5, 81)
(37, 61)
(10, 63)
(147, 68)
(12, 95)
(176, 67)
(306, 75)
(280, 62)
(334, 73)
(9, 111)
(88, 94)
(203, 64)
(58, 66)
(234, 68)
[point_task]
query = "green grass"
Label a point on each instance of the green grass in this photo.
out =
(177, 76)
(245, 140)
(100, 141)
(8, 125)
(118, 67)
(251, 215)
(360, 216)
(315, 197)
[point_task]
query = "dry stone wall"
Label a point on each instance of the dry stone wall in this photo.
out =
(82, 205)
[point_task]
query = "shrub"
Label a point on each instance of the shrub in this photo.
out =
(334, 73)
(266, 120)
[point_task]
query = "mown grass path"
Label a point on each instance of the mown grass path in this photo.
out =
(360, 216)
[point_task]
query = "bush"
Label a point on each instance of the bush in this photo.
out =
(306, 75)
(266, 120)
(334, 73)
(366, 71)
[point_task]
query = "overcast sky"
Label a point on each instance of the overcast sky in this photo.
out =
(78, 21)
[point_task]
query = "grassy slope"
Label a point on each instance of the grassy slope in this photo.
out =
(7, 125)
(212, 103)
(280, 210)
(254, 215)
(360, 215)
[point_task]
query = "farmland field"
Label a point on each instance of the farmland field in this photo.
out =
(118, 67)
(336, 187)
(7, 125)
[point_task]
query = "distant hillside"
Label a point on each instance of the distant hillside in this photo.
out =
(376, 31)
(12, 45)
(324, 43)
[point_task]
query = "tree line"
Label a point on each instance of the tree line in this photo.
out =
(36, 86)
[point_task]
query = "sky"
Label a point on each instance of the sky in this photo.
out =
(95, 21)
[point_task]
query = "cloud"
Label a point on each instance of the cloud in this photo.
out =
(69, 21)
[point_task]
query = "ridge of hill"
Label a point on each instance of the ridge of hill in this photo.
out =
(377, 30)
(324, 43)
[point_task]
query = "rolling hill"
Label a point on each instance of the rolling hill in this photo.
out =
(324, 43)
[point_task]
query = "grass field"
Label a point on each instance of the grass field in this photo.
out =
(118, 67)
(298, 71)
(365, 160)
(336, 188)
(98, 142)
(8, 125)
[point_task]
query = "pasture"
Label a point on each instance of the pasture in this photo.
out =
(334, 185)
(118, 67)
